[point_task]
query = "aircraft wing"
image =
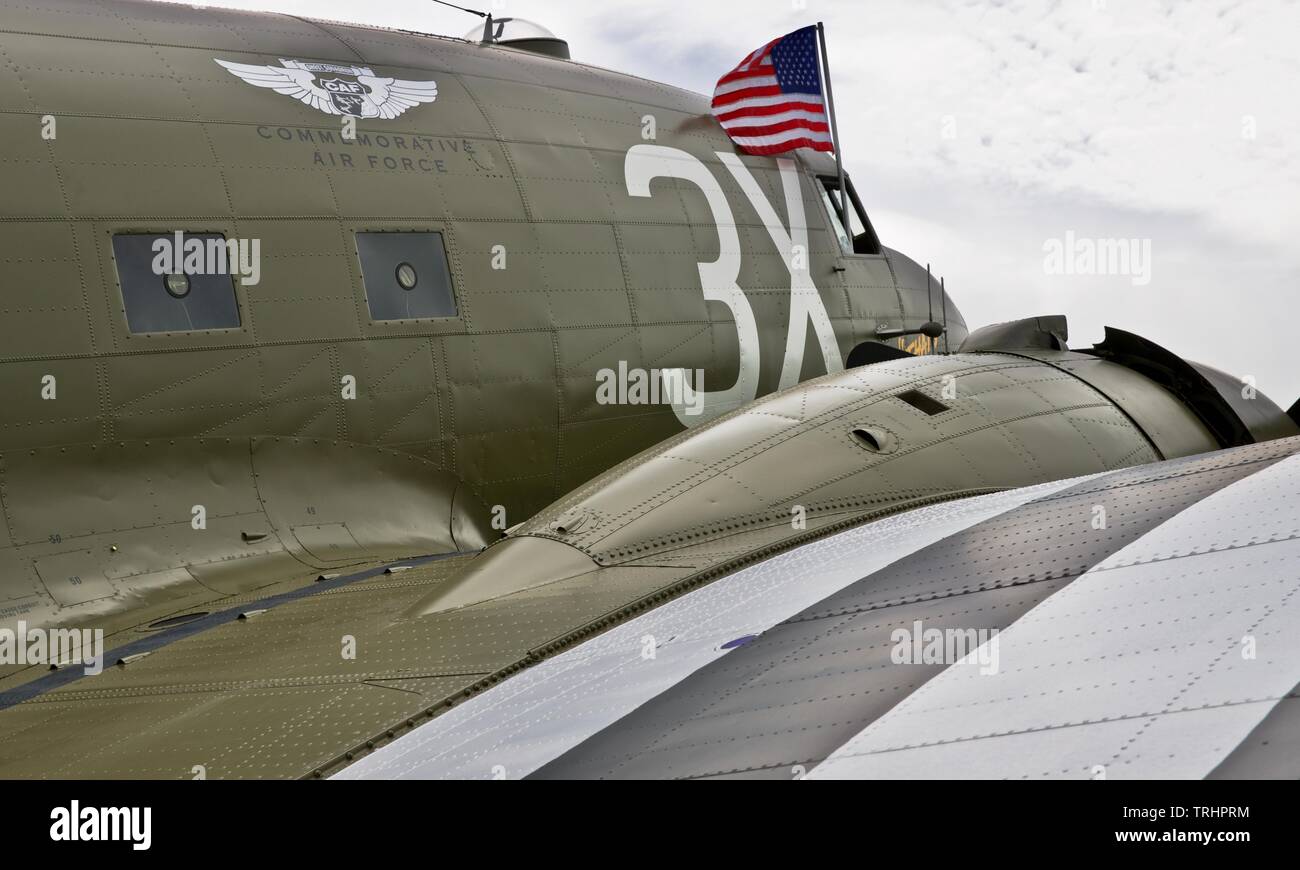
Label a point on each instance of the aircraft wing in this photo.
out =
(847, 578)
(1166, 644)
(1163, 644)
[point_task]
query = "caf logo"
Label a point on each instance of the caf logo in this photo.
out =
(348, 90)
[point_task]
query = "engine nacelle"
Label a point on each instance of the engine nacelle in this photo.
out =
(1014, 407)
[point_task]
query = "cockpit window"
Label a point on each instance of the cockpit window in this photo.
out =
(180, 282)
(846, 242)
(859, 237)
(406, 275)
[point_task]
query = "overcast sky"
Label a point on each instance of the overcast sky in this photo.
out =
(979, 131)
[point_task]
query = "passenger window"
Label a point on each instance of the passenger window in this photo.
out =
(406, 275)
(160, 296)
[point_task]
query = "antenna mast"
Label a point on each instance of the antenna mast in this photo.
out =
(943, 294)
(487, 16)
(929, 296)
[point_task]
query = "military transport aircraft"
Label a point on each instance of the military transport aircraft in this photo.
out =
(396, 405)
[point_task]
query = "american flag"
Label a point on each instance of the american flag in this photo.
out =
(772, 102)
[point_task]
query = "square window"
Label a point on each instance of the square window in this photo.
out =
(406, 275)
(157, 301)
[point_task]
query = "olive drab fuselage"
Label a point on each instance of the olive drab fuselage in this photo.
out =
(576, 236)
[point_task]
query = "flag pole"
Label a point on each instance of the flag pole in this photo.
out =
(835, 131)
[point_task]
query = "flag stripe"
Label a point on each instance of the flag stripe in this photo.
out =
(766, 81)
(740, 131)
(784, 147)
(742, 74)
(775, 112)
(783, 142)
(756, 55)
(774, 138)
(769, 101)
(770, 96)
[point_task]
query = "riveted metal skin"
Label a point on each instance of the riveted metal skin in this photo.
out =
(1153, 386)
(1008, 420)
(107, 536)
(1043, 333)
(157, 485)
(778, 706)
(1272, 749)
(557, 272)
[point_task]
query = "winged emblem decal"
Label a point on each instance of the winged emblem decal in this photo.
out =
(337, 89)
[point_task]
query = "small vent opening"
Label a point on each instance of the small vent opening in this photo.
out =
(922, 402)
(875, 440)
(569, 523)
